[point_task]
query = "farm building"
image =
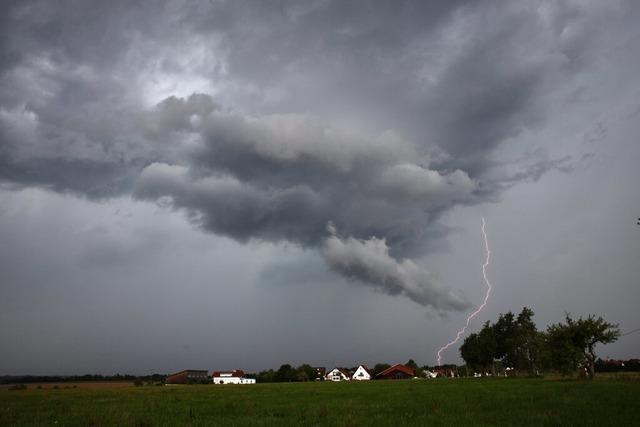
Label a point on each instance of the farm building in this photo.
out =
(396, 372)
(338, 374)
(321, 371)
(187, 376)
(362, 374)
(231, 377)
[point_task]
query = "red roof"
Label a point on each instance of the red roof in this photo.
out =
(235, 373)
(397, 368)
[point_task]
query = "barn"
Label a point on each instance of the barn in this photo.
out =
(231, 377)
(396, 372)
(187, 376)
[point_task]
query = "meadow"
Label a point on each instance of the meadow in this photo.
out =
(605, 401)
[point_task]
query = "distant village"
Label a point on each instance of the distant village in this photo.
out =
(287, 373)
(381, 371)
(318, 373)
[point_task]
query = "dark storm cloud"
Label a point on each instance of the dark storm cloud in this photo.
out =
(369, 261)
(465, 77)
(286, 177)
(294, 135)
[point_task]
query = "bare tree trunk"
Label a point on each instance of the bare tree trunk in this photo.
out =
(592, 363)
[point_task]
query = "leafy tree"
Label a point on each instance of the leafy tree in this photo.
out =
(505, 335)
(470, 352)
(413, 365)
(286, 373)
(529, 342)
(479, 349)
(573, 344)
(563, 355)
(518, 342)
(511, 342)
(305, 372)
(380, 367)
(266, 376)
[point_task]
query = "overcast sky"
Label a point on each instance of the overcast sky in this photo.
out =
(219, 185)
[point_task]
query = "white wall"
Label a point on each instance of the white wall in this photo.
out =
(336, 375)
(233, 380)
(361, 374)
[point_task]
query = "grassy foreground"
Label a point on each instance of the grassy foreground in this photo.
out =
(491, 402)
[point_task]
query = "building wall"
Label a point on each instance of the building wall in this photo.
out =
(361, 375)
(336, 375)
(396, 375)
(233, 380)
(320, 373)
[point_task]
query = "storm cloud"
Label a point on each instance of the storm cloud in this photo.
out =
(269, 121)
(285, 177)
(369, 261)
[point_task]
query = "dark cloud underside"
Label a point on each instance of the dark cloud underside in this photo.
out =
(346, 127)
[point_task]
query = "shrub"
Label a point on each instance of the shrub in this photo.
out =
(18, 387)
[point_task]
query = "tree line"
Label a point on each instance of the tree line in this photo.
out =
(9, 379)
(514, 343)
(305, 372)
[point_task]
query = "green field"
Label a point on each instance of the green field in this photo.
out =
(491, 402)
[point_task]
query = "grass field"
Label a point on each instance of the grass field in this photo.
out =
(491, 402)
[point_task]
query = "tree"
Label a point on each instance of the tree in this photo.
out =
(528, 342)
(305, 373)
(380, 367)
(517, 341)
(573, 344)
(413, 365)
(286, 373)
(512, 342)
(505, 335)
(479, 349)
(266, 376)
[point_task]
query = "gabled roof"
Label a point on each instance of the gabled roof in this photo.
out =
(399, 367)
(187, 371)
(235, 373)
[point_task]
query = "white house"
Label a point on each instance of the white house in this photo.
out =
(430, 374)
(362, 374)
(338, 374)
(231, 377)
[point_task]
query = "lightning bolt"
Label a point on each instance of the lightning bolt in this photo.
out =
(484, 302)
